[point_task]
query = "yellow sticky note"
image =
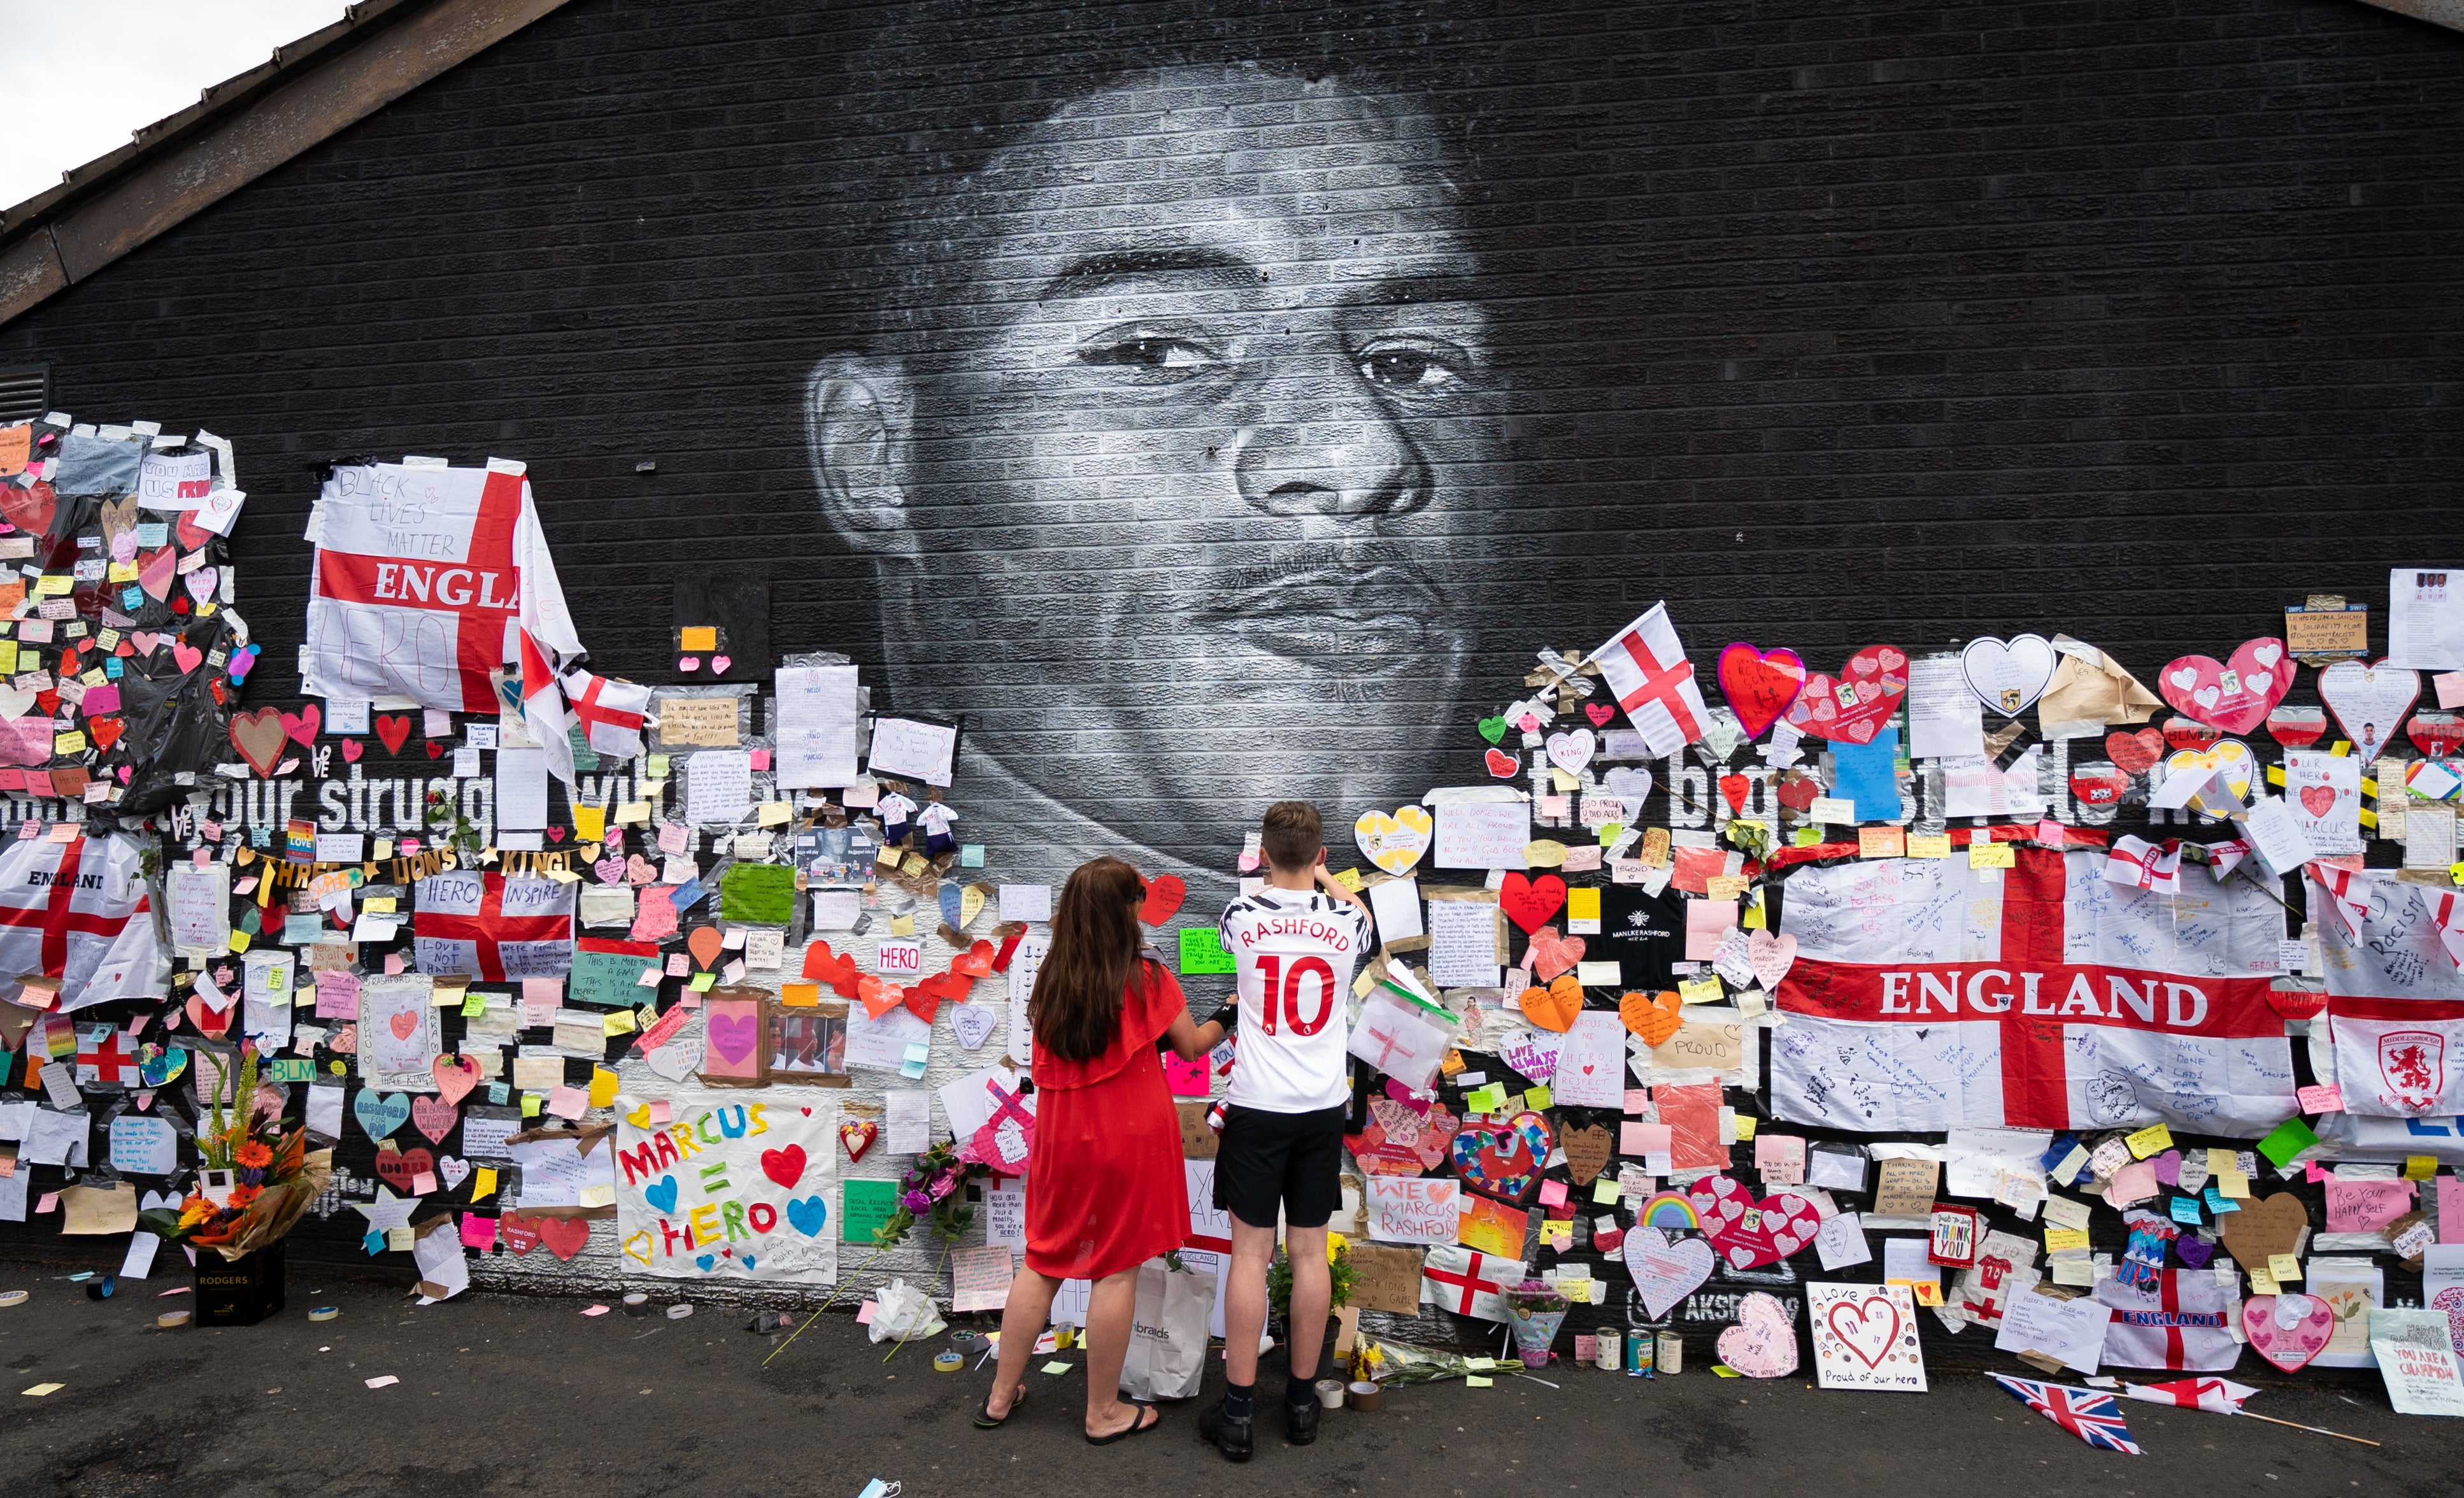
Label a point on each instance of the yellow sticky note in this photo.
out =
(378, 905)
(54, 584)
(1479, 1364)
(530, 1105)
(603, 1082)
(902, 925)
(618, 1022)
(1992, 855)
(2261, 1283)
(2062, 1240)
(1882, 843)
(1557, 1232)
(239, 942)
(1745, 1128)
(68, 743)
(799, 996)
(2150, 1140)
(2282, 1267)
(633, 814)
(590, 822)
(1536, 1099)
(483, 1182)
(122, 572)
(704, 637)
(774, 814)
(1699, 990)
(1753, 918)
(2420, 1167)
(1563, 783)
(1470, 1382)
(656, 767)
(1928, 1292)
(1610, 833)
(701, 981)
(1928, 845)
(8, 657)
(474, 1006)
(1582, 904)
(1349, 879)
(1727, 887)
(1605, 1193)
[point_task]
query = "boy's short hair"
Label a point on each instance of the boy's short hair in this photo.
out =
(1293, 835)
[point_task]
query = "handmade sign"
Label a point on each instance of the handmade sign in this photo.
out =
(1866, 1337)
(2008, 676)
(1750, 1233)
(2170, 1021)
(736, 1188)
(2369, 702)
(1763, 1343)
(1413, 1209)
(77, 912)
(2288, 1330)
(1504, 1159)
(1665, 1272)
(492, 927)
(1760, 685)
(2234, 696)
(1854, 706)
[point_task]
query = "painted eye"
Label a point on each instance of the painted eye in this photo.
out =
(1419, 368)
(1161, 355)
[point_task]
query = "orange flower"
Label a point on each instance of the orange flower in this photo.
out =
(256, 1155)
(242, 1195)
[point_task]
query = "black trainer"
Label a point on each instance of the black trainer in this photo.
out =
(1300, 1421)
(1229, 1436)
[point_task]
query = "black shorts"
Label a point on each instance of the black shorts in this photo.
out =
(1293, 1160)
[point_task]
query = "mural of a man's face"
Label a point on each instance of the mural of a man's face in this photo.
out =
(1164, 478)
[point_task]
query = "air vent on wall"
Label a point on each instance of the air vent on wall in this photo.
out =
(25, 393)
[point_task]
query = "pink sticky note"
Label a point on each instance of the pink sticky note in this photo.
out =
(2135, 1182)
(393, 963)
(1553, 1193)
(1637, 1100)
(1185, 1078)
(50, 1200)
(760, 758)
(2323, 1098)
(660, 1112)
(2050, 831)
(2451, 1210)
(567, 1102)
(864, 1312)
(423, 1183)
(478, 1232)
(676, 967)
(2450, 688)
(2314, 1173)
(101, 700)
(1707, 922)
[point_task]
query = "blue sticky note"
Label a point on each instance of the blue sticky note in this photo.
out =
(497, 1092)
(689, 894)
(2220, 1203)
(1866, 775)
(971, 855)
(2185, 1210)
(374, 1243)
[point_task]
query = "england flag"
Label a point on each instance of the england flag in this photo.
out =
(77, 918)
(1645, 666)
(1928, 994)
(2395, 995)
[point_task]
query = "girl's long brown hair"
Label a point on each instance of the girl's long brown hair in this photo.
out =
(1075, 1008)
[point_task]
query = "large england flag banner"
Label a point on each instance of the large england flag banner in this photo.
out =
(424, 579)
(2395, 997)
(78, 914)
(1928, 994)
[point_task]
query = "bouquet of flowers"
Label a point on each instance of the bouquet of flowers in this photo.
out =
(930, 1185)
(1537, 1309)
(273, 1174)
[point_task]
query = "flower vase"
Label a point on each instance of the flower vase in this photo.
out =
(1533, 1332)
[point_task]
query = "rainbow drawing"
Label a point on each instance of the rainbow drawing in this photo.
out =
(1668, 1209)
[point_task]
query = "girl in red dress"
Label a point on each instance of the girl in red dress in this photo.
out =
(1105, 1191)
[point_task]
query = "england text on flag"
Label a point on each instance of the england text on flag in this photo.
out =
(1929, 995)
(75, 914)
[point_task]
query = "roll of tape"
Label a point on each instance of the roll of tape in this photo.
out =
(323, 1313)
(679, 1312)
(1363, 1397)
(1330, 1393)
(172, 1320)
(637, 1304)
(12, 1297)
(948, 1362)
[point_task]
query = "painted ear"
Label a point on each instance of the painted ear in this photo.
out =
(858, 432)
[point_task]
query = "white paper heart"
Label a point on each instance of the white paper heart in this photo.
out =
(159, 1201)
(454, 1171)
(1570, 751)
(1631, 787)
(13, 703)
(974, 1023)
(673, 1060)
(1732, 963)
(1665, 1272)
(2371, 702)
(2008, 676)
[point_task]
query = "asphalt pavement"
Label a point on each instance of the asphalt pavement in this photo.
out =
(517, 1396)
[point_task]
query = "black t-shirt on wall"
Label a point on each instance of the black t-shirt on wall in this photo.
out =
(1644, 933)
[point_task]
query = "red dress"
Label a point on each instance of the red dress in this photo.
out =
(1105, 1187)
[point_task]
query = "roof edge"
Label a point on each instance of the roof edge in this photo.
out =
(238, 130)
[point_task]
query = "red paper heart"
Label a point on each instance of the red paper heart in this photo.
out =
(564, 1236)
(2098, 785)
(455, 1076)
(351, 751)
(48, 700)
(1855, 706)
(521, 1232)
(1799, 792)
(2296, 727)
(1750, 1233)
(105, 730)
(30, 508)
(302, 726)
(1733, 789)
(192, 535)
(435, 750)
(1599, 712)
(1164, 894)
(1504, 766)
(784, 1166)
(1529, 903)
(976, 961)
(2318, 800)
(2437, 735)
(857, 1137)
(2136, 753)
(1760, 685)
(399, 1168)
(824, 966)
(394, 731)
(2234, 697)
(209, 1023)
(924, 1000)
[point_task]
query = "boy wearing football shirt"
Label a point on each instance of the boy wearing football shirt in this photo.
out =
(1294, 942)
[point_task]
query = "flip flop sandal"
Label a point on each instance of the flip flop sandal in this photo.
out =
(1137, 1426)
(985, 1418)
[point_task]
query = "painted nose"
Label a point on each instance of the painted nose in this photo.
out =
(1330, 449)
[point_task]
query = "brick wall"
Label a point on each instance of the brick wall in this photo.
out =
(1827, 324)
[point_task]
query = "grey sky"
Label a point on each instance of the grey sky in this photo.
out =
(84, 75)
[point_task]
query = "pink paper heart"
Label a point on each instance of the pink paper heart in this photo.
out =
(719, 664)
(351, 751)
(2288, 1331)
(689, 663)
(188, 657)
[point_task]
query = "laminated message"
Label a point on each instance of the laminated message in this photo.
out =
(730, 1188)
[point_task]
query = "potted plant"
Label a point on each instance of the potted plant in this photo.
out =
(255, 1177)
(1538, 1309)
(1279, 1281)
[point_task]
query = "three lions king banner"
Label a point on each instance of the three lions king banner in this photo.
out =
(1929, 995)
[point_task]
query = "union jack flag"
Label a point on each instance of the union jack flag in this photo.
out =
(2085, 1413)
